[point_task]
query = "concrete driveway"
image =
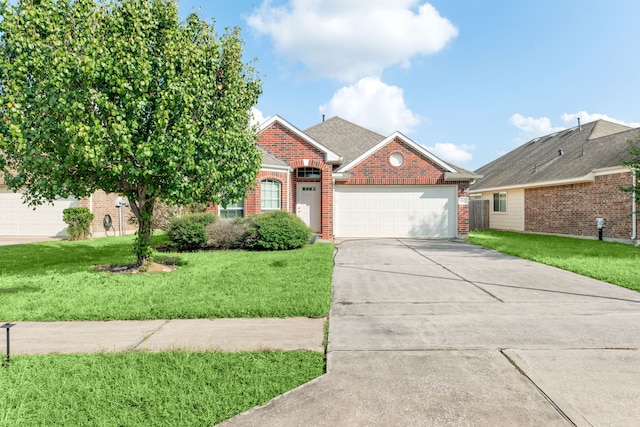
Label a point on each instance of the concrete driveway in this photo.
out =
(18, 240)
(439, 333)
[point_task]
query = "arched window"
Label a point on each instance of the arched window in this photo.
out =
(270, 191)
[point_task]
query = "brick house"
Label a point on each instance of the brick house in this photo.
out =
(560, 184)
(342, 179)
(346, 181)
(18, 219)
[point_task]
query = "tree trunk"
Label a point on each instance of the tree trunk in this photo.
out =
(143, 210)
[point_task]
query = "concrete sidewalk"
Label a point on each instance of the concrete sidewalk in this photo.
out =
(159, 335)
(439, 333)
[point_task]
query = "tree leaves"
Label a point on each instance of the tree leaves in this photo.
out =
(121, 96)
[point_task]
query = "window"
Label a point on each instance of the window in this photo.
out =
(396, 160)
(233, 210)
(475, 197)
(270, 194)
(499, 202)
(308, 173)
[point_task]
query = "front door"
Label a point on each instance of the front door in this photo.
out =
(308, 204)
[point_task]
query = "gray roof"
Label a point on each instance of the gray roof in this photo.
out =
(351, 141)
(595, 145)
(345, 138)
(269, 160)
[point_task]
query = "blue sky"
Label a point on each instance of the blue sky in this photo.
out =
(470, 80)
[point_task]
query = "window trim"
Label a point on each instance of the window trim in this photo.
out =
(501, 201)
(307, 172)
(278, 196)
(232, 207)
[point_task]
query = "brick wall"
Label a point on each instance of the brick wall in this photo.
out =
(252, 203)
(376, 169)
(102, 204)
(572, 209)
(463, 210)
(288, 146)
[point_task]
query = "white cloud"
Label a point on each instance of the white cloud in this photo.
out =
(452, 153)
(532, 126)
(257, 118)
(572, 119)
(373, 104)
(349, 39)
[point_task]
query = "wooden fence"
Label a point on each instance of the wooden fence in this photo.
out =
(478, 215)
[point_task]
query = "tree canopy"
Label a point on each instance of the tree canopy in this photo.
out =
(121, 96)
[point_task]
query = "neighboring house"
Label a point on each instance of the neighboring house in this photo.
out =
(560, 184)
(346, 181)
(18, 219)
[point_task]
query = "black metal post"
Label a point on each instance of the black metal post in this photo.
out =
(7, 326)
(599, 233)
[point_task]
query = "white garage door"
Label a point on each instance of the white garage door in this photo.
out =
(18, 219)
(391, 211)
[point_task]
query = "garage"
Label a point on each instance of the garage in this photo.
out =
(395, 211)
(18, 219)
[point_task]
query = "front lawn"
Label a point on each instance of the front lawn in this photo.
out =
(616, 263)
(57, 281)
(147, 389)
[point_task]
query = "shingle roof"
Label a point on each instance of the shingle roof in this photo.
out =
(596, 145)
(351, 141)
(269, 159)
(344, 137)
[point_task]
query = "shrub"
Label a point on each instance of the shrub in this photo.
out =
(229, 233)
(188, 233)
(278, 230)
(204, 218)
(79, 220)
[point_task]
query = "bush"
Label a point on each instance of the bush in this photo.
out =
(204, 218)
(79, 220)
(278, 230)
(188, 233)
(229, 233)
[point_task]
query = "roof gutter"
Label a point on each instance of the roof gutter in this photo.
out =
(590, 177)
(341, 176)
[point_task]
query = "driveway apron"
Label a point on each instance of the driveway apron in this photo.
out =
(443, 333)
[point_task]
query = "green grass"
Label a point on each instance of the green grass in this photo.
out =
(616, 263)
(56, 281)
(146, 389)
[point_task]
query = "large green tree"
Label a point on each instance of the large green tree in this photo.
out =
(122, 96)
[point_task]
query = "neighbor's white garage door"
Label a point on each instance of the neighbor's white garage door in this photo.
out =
(18, 219)
(392, 211)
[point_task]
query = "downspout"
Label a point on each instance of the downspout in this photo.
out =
(289, 190)
(333, 206)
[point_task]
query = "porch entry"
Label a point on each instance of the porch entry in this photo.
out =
(308, 203)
